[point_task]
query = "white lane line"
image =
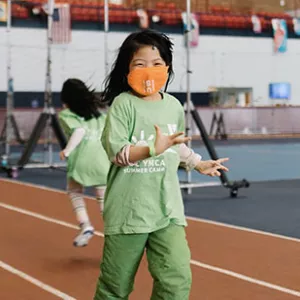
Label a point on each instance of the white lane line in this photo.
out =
(37, 186)
(255, 231)
(42, 187)
(193, 262)
(44, 218)
(35, 281)
(247, 278)
(241, 228)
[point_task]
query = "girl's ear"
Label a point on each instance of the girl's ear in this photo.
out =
(65, 105)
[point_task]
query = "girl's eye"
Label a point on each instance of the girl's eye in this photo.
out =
(158, 64)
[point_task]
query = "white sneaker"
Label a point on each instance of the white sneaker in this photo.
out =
(82, 239)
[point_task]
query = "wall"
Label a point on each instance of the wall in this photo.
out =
(218, 61)
(262, 121)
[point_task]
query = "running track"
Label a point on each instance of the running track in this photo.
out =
(38, 261)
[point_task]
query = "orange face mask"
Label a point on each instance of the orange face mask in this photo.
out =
(148, 81)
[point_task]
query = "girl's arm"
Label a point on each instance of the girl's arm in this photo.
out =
(72, 127)
(130, 154)
(115, 138)
(74, 141)
(191, 160)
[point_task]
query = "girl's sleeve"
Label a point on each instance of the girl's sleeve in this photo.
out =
(69, 122)
(116, 133)
(181, 119)
(188, 158)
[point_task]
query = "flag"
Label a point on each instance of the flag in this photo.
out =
(256, 24)
(61, 25)
(3, 11)
(280, 35)
(194, 33)
(143, 18)
(296, 23)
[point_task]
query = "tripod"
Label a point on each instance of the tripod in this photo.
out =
(220, 131)
(233, 186)
(191, 112)
(47, 120)
(10, 123)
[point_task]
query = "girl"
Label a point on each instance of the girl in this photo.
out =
(143, 202)
(87, 162)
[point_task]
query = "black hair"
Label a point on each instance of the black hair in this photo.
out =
(80, 99)
(116, 82)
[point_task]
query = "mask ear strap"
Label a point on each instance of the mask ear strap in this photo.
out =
(167, 83)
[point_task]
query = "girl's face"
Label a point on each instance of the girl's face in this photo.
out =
(146, 57)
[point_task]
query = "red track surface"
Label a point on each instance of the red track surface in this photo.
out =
(43, 249)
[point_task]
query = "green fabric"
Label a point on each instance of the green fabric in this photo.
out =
(168, 257)
(145, 197)
(88, 164)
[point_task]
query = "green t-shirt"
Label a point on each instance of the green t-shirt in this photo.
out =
(145, 197)
(88, 163)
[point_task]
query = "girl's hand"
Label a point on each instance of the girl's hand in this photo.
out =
(211, 167)
(163, 142)
(62, 155)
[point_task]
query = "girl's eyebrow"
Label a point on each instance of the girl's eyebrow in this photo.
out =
(141, 59)
(137, 59)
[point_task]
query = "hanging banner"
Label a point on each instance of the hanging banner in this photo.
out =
(116, 2)
(61, 25)
(3, 11)
(143, 18)
(256, 24)
(280, 35)
(195, 31)
(296, 23)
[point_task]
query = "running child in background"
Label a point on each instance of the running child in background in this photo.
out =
(87, 162)
(143, 203)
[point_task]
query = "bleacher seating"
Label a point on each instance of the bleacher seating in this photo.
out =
(232, 14)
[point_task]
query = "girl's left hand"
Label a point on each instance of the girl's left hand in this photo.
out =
(62, 155)
(211, 167)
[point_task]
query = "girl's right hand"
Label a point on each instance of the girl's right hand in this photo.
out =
(62, 155)
(163, 142)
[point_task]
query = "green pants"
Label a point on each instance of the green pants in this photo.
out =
(168, 257)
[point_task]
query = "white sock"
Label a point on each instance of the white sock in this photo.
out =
(100, 191)
(80, 209)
